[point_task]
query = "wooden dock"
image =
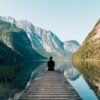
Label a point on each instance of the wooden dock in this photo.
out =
(50, 85)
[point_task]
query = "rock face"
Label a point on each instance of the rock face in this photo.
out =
(91, 46)
(44, 42)
(14, 43)
(71, 46)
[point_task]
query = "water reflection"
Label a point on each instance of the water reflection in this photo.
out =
(29, 70)
(91, 73)
(67, 68)
(74, 77)
(38, 71)
(15, 82)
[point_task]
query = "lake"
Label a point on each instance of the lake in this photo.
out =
(83, 76)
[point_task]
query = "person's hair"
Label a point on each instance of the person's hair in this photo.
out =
(51, 58)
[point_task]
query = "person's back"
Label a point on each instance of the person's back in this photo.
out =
(51, 64)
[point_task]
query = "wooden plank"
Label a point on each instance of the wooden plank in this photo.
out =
(50, 85)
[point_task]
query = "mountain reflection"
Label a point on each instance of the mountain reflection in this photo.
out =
(91, 73)
(67, 69)
(17, 83)
(29, 70)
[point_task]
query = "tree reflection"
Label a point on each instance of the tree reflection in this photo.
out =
(91, 72)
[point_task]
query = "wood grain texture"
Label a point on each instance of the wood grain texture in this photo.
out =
(50, 85)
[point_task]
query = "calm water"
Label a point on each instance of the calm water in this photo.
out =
(77, 80)
(80, 80)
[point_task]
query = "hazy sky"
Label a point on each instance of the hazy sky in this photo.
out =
(68, 19)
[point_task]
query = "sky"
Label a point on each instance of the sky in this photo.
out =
(68, 19)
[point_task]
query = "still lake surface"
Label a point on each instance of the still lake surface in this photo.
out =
(82, 79)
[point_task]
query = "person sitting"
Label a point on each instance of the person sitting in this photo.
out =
(51, 64)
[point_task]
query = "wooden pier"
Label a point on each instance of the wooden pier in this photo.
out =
(50, 85)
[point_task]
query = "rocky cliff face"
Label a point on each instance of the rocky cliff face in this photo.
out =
(44, 42)
(91, 46)
(14, 43)
(71, 46)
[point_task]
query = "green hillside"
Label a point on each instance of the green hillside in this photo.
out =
(90, 48)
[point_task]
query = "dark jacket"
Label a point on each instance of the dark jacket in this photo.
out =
(51, 65)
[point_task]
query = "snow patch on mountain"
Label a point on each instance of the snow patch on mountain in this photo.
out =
(71, 45)
(44, 42)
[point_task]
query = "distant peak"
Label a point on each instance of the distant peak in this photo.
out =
(8, 19)
(24, 21)
(71, 41)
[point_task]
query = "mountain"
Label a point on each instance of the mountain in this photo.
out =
(7, 54)
(71, 46)
(44, 42)
(91, 46)
(14, 43)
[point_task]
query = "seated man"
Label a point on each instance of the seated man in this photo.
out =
(51, 64)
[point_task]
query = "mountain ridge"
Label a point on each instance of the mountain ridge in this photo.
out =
(14, 40)
(44, 42)
(90, 48)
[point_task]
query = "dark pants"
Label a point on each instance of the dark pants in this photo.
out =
(50, 68)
